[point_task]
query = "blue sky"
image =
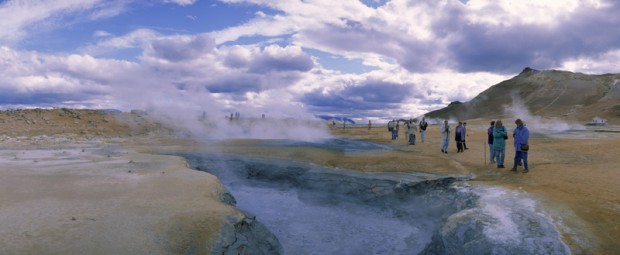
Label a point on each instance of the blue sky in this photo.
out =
(369, 59)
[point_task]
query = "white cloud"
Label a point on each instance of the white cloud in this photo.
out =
(38, 79)
(108, 9)
(508, 12)
(22, 17)
(608, 62)
(135, 39)
(429, 36)
(298, 16)
(418, 93)
(101, 33)
(181, 2)
(180, 48)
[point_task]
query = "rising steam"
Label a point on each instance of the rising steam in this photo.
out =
(518, 110)
(202, 116)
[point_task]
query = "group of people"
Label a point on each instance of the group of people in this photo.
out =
(412, 129)
(459, 136)
(497, 136)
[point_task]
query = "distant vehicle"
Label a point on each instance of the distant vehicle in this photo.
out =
(596, 121)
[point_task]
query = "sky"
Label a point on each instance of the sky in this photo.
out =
(360, 59)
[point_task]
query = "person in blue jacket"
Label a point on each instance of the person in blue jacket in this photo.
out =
(521, 143)
(499, 143)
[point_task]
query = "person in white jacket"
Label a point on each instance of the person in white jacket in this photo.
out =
(445, 135)
(412, 128)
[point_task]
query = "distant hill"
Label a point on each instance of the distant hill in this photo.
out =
(336, 119)
(550, 93)
(81, 122)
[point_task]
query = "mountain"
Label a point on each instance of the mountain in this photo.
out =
(549, 93)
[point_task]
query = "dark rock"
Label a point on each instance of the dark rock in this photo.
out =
(246, 235)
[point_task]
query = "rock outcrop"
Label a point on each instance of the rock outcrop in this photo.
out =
(245, 235)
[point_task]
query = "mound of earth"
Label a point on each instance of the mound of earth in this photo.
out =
(100, 123)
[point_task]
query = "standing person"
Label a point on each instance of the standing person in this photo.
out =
(391, 128)
(490, 140)
(499, 143)
(411, 130)
(396, 129)
(369, 124)
(521, 143)
(464, 135)
(445, 136)
(423, 126)
(459, 136)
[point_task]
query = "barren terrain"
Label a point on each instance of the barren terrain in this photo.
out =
(572, 174)
(58, 167)
(73, 182)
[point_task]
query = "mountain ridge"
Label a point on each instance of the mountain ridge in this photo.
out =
(547, 93)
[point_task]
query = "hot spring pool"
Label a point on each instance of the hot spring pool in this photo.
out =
(316, 210)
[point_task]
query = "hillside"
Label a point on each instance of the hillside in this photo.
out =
(550, 93)
(87, 123)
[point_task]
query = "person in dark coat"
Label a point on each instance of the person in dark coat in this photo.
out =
(465, 135)
(423, 126)
(490, 141)
(459, 137)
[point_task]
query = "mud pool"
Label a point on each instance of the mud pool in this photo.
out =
(318, 210)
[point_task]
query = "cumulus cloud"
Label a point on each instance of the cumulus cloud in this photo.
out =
(394, 93)
(275, 58)
(608, 62)
(519, 41)
(270, 58)
(358, 100)
(35, 79)
(427, 36)
(179, 48)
